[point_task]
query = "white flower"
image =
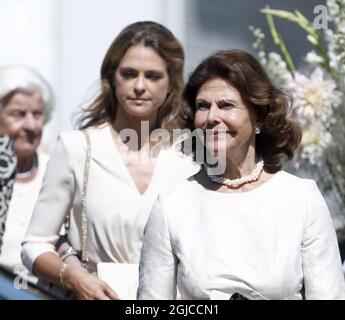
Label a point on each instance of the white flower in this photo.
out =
(312, 40)
(314, 98)
(261, 54)
(315, 140)
(333, 8)
(336, 10)
(315, 134)
(333, 59)
(313, 58)
(329, 34)
(277, 69)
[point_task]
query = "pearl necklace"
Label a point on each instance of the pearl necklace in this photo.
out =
(237, 182)
(29, 173)
(25, 175)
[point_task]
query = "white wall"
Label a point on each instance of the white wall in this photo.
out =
(28, 36)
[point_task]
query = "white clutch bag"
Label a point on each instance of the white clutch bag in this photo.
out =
(123, 278)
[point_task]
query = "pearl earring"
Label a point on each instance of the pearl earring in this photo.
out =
(257, 130)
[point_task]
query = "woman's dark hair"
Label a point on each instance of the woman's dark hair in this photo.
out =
(279, 136)
(149, 34)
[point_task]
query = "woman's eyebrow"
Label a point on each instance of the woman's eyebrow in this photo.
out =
(127, 68)
(220, 100)
(201, 100)
(154, 70)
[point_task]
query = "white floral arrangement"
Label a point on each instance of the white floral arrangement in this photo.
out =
(317, 88)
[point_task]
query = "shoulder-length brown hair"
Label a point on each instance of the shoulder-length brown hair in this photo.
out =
(279, 136)
(150, 34)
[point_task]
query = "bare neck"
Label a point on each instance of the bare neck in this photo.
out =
(240, 165)
(140, 127)
(25, 163)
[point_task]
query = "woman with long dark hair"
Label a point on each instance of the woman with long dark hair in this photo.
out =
(141, 83)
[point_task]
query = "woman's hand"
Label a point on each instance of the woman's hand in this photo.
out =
(86, 286)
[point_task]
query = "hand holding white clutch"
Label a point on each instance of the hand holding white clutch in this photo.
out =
(123, 278)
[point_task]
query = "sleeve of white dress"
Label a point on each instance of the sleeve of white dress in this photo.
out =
(157, 267)
(322, 271)
(53, 203)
